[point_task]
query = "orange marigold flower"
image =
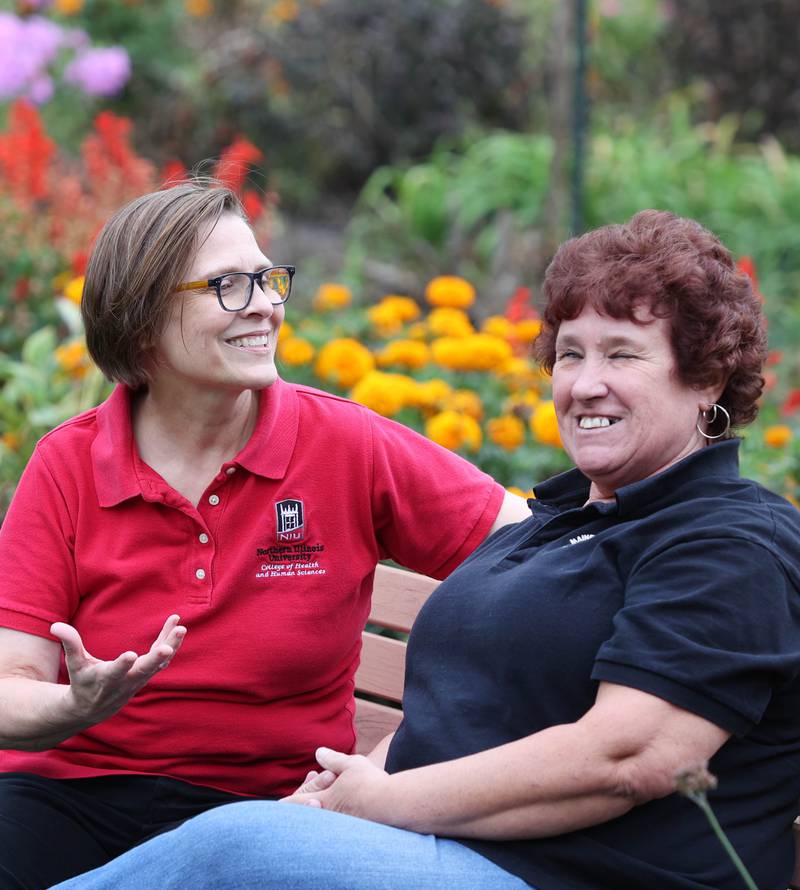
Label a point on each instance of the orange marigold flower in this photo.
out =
(450, 290)
(454, 431)
(410, 354)
(449, 322)
(465, 401)
(198, 8)
(384, 393)
(544, 424)
(507, 431)
(286, 330)
(777, 436)
(498, 326)
(478, 352)
(430, 395)
(332, 296)
(344, 362)
(74, 290)
(68, 7)
(73, 358)
(527, 330)
(295, 350)
(11, 441)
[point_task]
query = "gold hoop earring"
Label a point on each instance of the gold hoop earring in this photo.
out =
(709, 417)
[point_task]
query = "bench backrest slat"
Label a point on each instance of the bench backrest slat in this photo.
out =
(396, 598)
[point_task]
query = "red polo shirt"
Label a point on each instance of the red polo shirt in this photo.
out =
(271, 573)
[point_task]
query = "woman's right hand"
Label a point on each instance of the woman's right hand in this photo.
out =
(98, 689)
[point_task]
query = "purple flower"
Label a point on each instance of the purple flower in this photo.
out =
(99, 72)
(27, 46)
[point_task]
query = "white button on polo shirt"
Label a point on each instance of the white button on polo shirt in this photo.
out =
(213, 500)
(200, 574)
(203, 538)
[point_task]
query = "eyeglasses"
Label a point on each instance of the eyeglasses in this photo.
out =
(235, 290)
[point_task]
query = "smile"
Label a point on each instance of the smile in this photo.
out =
(249, 342)
(594, 423)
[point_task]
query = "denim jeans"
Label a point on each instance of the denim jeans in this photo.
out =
(263, 844)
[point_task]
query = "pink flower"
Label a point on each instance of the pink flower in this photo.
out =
(100, 72)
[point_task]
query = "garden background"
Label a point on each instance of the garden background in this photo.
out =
(418, 162)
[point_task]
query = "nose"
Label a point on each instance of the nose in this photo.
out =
(589, 382)
(261, 302)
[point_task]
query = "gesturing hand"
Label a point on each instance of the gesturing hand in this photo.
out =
(98, 689)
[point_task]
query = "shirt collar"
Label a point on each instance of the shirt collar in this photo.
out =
(267, 452)
(571, 489)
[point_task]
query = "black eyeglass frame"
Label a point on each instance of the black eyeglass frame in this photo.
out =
(253, 276)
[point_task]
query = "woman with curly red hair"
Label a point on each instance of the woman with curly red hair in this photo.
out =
(645, 618)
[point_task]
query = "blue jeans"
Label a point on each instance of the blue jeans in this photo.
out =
(263, 844)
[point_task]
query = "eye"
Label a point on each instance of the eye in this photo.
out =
(567, 354)
(622, 355)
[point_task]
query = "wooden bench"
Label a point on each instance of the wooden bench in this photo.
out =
(397, 596)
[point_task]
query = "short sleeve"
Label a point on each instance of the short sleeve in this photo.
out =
(712, 626)
(37, 569)
(431, 508)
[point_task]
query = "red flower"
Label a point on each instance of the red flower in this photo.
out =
(745, 264)
(775, 357)
(172, 173)
(791, 403)
(253, 205)
(25, 153)
(519, 306)
(234, 163)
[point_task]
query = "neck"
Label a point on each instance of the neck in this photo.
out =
(207, 427)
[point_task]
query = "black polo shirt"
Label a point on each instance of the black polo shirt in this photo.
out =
(687, 587)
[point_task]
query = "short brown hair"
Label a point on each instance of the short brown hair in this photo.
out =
(138, 260)
(679, 271)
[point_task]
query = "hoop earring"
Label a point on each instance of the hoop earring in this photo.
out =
(709, 417)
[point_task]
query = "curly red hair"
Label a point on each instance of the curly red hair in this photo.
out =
(679, 271)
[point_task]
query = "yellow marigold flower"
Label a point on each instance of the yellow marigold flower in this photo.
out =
(544, 425)
(450, 290)
(285, 331)
(408, 353)
(384, 393)
(11, 441)
(344, 362)
(527, 330)
(332, 296)
(465, 401)
(430, 395)
(777, 436)
(518, 491)
(447, 322)
(404, 308)
(295, 350)
(283, 11)
(198, 8)
(74, 290)
(498, 326)
(454, 431)
(478, 352)
(384, 320)
(68, 7)
(418, 331)
(522, 404)
(507, 431)
(73, 358)
(518, 373)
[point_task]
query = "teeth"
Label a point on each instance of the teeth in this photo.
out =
(593, 423)
(246, 342)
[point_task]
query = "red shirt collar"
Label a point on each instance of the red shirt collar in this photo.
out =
(267, 452)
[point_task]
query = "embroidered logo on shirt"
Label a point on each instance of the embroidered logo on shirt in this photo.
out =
(580, 538)
(290, 519)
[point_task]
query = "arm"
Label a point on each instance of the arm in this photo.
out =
(513, 509)
(623, 752)
(37, 712)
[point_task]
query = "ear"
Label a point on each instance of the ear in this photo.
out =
(710, 393)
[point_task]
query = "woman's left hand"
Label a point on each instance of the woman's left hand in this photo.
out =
(359, 788)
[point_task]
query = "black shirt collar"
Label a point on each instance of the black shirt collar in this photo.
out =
(571, 489)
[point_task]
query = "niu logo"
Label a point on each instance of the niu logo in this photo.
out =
(290, 519)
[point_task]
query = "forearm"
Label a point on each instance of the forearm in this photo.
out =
(546, 784)
(36, 715)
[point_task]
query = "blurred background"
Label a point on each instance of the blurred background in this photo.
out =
(419, 161)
